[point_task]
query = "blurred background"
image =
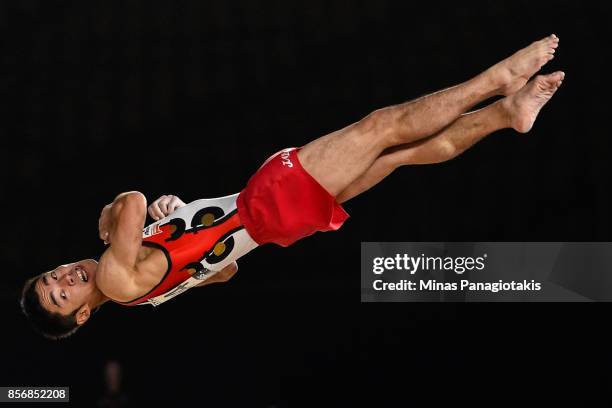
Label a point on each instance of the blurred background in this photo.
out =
(190, 97)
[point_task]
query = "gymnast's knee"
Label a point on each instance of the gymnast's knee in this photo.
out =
(381, 125)
(444, 151)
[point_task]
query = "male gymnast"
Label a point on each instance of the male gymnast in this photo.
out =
(295, 193)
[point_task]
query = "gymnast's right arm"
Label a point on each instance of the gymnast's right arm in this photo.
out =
(121, 224)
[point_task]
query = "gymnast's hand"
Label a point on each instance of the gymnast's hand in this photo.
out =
(164, 205)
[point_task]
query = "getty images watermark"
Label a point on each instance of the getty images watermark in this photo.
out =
(458, 265)
(485, 271)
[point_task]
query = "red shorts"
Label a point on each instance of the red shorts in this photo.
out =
(282, 203)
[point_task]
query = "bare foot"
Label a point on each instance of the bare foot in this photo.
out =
(523, 107)
(511, 74)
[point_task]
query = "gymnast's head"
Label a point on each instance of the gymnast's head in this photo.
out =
(60, 301)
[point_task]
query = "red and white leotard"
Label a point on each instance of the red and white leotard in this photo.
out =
(198, 240)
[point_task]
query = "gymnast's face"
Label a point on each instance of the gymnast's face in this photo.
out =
(69, 288)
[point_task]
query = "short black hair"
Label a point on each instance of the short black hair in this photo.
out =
(51, 325)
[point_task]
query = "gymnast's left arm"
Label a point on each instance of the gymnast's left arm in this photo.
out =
(223, 275)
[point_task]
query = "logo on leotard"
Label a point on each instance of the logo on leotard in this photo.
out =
(151, 230)
(285, 159)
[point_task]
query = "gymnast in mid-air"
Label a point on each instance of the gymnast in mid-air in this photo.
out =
(295, 193)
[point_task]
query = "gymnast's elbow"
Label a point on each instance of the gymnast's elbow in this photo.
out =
(133, 202)
(133, 198)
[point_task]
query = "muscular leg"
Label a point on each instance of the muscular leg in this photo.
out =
(337, 159)
(518, 111)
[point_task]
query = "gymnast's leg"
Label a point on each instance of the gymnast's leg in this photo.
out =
(337, 159)
(518, 111)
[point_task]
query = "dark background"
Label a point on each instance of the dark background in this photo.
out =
(189, 98)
